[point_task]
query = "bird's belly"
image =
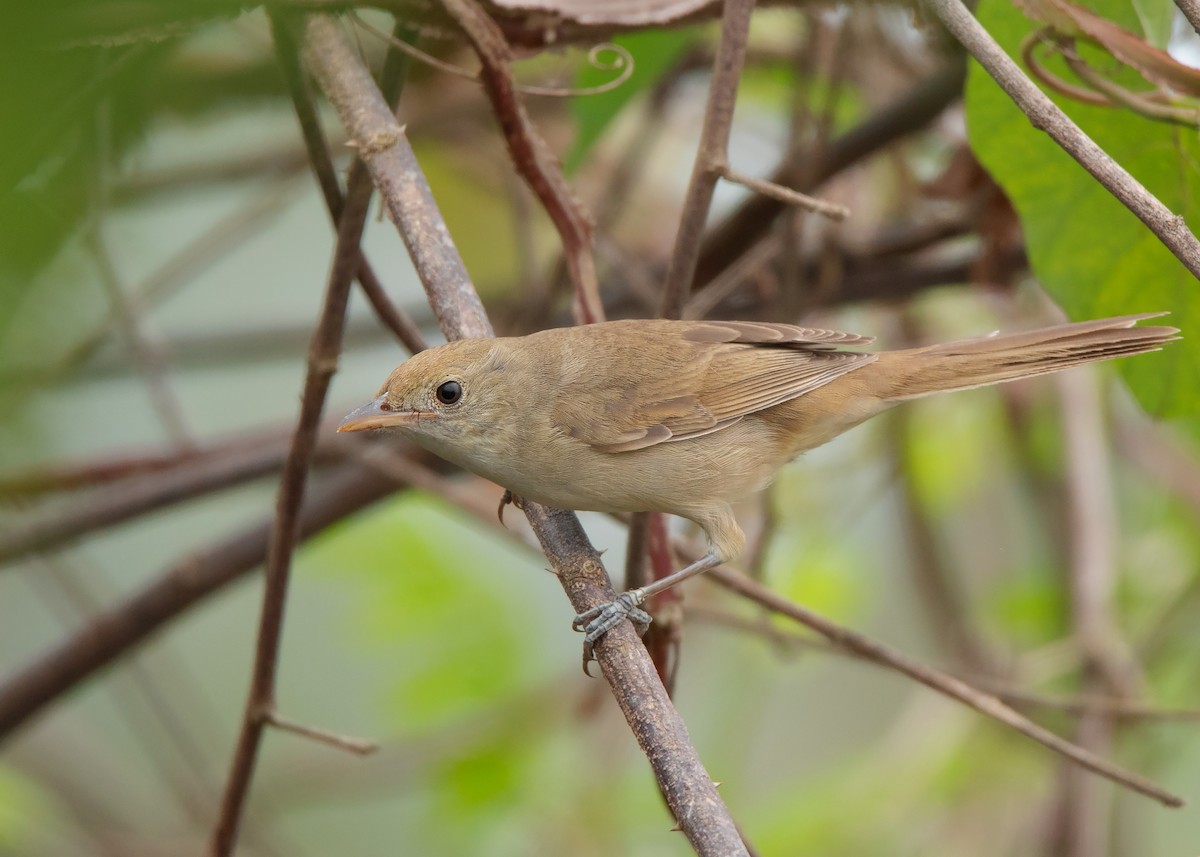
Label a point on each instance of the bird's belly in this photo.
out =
(674, 476)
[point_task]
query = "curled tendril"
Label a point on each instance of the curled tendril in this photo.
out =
(622, 60)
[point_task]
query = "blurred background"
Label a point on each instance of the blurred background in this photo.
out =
(163, 256)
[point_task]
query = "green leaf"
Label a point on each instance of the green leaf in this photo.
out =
(817, 572)
(24, 814)
(438, 596)
(653, 52)
(1089, 252)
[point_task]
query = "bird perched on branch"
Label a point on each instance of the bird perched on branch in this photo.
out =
(687, 417)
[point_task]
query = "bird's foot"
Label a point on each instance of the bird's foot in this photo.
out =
(598, 621)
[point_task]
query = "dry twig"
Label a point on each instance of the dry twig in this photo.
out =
(937, 680)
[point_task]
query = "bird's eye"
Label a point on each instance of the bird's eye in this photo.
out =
(449, 392)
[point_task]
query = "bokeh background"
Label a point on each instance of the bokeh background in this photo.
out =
(163, 254)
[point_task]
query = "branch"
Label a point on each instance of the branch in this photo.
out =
(1044, 114)
(381, 144)
(1191, 11)
(728, 240)
(789, 641)
(941, 682)
(1091, 554)
(384, 149)
(711, 155)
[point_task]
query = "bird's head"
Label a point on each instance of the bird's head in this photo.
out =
(444, 397)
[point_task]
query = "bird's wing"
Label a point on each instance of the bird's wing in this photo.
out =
(719, 373)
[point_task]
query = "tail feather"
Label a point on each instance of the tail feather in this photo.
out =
(996, 359)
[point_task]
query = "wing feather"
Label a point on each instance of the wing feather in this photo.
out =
(730, 370)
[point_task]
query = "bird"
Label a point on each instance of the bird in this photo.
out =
(687, 417)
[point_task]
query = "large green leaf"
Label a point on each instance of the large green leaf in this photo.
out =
(1091, 254)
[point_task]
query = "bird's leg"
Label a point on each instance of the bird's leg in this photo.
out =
(596, 622)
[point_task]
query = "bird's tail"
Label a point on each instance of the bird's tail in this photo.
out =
(995, 359)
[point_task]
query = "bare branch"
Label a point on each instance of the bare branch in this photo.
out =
(725, 243)
(939, 681)
(122, 501)
(381, 144)
(357, 746)
(713, 152)
(786, 195)
(323, 354)
(1191, 11)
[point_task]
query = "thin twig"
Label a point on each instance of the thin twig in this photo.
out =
(323, 354)
(789, 641)
(937, 680)
(532, 157)
(1091, 581)
(205, 249)
(946, 608)
(1045, 115)
(712, 153)
(656, 724)
(101, 470)
(147, 354)
(357, 746)
(786, 195)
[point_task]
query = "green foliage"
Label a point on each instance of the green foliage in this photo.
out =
(653, 52)
(23, 812)
(823, 575)
(953, 445)
(477, 213)
(1087, 249)
(439, 596)
(1030, 607)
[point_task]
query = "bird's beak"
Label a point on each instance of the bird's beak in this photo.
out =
(377, 414)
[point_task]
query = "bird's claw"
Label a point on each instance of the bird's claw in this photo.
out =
(598, 621)
(507, 498)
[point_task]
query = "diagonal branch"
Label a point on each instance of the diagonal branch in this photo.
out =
(730, 239)
(384, 149)
(943, 683)
(1045, 115)
(114, 504)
